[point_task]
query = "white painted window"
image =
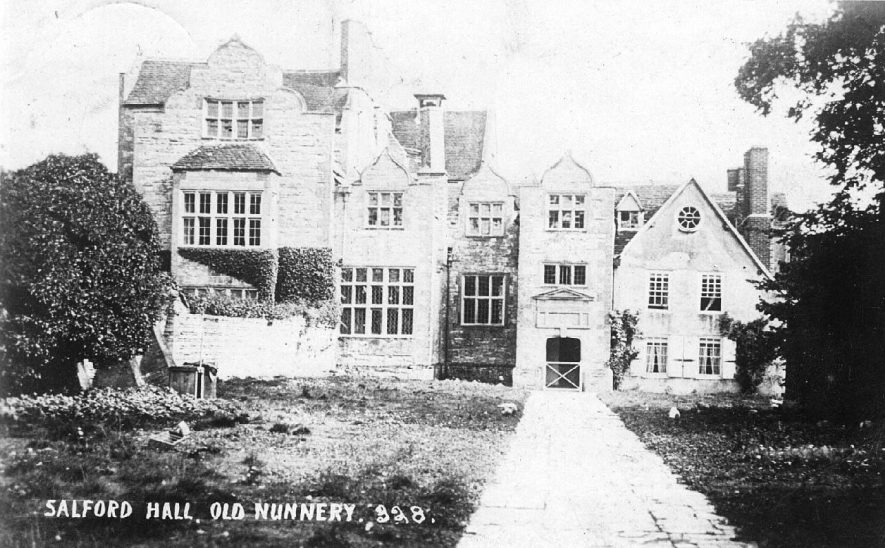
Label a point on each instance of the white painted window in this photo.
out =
(385, 209)
(711, 293)
(656, 356)
(221, 218)
(485, 219)
(565, 274)
(482, 299)
(377, 301)
(242, 119)
(659, 290)
(629, 220)
(688, 218)
(710, 356)
(565, 211)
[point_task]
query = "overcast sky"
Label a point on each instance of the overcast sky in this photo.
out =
(639, 91)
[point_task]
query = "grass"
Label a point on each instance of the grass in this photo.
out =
(755, 465)
(367, 442)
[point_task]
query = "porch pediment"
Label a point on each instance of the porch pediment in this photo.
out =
(564, 294)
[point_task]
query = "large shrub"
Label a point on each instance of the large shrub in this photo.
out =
(305, 273)
(755, 350)
(78, 271)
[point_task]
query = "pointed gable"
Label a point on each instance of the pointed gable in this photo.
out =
(386, 172)
(629, 202)
(689, 229)
(566, 172)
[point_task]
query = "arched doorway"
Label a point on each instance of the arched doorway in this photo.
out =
(563, 369)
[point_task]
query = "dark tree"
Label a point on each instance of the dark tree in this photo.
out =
(829, 302)
(79, 274)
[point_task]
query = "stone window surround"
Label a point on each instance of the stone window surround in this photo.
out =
(710, 356)
(578, 205)
(349, 290)
(558, 266)
(495, 213)
(251, 217)
(250, 119)
(394, 221)
(490, 298)
(711, 290)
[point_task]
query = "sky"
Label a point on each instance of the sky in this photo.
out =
(637, 91)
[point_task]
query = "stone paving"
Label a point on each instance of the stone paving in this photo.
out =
(575, 476)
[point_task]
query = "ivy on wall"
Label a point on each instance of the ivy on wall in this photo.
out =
(623, 331)
(255, 267)
(305, 273)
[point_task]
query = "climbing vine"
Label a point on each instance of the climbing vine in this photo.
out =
(623, 331)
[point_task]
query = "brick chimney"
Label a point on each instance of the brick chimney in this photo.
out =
(755, 203)
(432, 134)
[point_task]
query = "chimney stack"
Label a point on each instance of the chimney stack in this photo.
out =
(432, 131)
(755, 203)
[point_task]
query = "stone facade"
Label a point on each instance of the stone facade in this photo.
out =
(442, 267)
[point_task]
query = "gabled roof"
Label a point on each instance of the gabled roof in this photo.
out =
(652, 197)
(630, 198)
(225, 157)
(464, 135)
(158, 79)
(721, 214)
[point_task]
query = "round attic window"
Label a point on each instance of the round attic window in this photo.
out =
(689, 218)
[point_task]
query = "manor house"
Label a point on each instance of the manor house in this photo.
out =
(442, 265)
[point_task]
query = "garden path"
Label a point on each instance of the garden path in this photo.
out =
(575, 476)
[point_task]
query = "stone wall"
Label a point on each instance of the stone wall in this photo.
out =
(481, 352)
(254, 347)
(591, 246)
(418, 244)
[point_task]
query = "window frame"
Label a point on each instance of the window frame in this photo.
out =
(235, 118)
(490, 298)
(573, 209)
(662, 295)
(245, 293)
(712, 343)
(250, 221)
(559, 268)
(711, 281)
(379, 206)
(622, 225)
(696, 216)
(349, 305)
(660, 343)
(480, 217)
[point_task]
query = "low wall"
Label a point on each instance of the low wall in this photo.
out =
(254, 347)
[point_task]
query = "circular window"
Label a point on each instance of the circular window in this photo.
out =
(689, 218)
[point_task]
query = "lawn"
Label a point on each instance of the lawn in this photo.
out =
(781, 479)
(423, 447)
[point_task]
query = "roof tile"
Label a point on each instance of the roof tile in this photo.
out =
(227, 157)
(464, 136)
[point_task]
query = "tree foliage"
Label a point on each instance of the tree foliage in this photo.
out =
(829, 304)
(78, 271)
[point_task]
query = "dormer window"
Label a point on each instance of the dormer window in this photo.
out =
(629, 220)
(242, 119)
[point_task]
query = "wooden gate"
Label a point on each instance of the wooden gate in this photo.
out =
(563, 369)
